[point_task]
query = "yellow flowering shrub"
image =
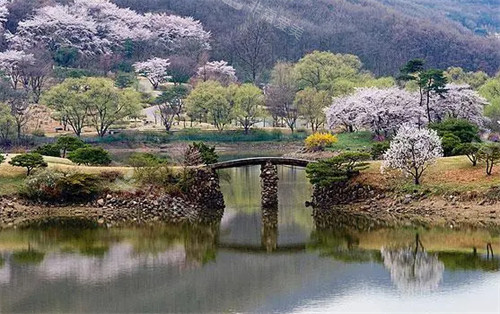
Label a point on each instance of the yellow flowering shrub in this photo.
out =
(319, 141)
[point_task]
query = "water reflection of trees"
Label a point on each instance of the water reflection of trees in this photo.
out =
(199, 243)
(342, 245)
(411, 267)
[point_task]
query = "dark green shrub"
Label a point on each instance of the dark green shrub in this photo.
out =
(207, 153)
(468, 149)
(69, 143)
(29, 161)
(145, 160)
(90, 156)
(449, 142)
(124, 80)
(465, 130)
(79, 187)
(66, 56)
(2, 158)
(49, 150)
(340, 168)
(379, 149)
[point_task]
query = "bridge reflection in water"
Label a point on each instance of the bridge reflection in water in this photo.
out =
(254, 221)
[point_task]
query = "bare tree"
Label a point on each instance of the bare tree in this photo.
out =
(252, 47)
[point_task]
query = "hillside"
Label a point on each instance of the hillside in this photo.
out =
(384, 33)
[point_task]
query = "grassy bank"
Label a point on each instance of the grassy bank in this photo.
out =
(449, 174)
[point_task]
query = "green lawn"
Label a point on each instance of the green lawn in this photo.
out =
(358, 141)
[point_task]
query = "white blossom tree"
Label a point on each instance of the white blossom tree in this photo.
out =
(217, 71)
(154, 69)
(461, 102)
(172, 32)
(412, 151)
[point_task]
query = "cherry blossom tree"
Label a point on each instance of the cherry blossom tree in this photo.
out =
(12, 63)
(173, 32)
(154, 69)
(61, 26)
(96, 27)
(460, 102)
(412, 151)
(217, 71)
(379, 110)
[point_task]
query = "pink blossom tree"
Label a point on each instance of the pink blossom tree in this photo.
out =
(154, 69)
(461, 102)
(95, 27)
(381, 111)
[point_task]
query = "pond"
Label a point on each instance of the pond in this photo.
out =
(240, 266)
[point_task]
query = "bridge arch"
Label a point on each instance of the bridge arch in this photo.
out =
(256, 161)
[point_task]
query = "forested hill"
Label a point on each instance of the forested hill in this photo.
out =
(383, 33)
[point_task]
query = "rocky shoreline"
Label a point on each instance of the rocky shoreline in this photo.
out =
(203, 203)
(383, 210)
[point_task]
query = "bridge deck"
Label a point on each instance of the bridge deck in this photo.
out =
(260, 161)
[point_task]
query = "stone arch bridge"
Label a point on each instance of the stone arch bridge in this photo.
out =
(268, 175)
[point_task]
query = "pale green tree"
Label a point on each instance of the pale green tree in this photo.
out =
(68, 99)
(209, 101)
(93, 101)
(491, 91)
(457, 75)
(336, 73)
(108, 105)
(311, 104)
(248, 102)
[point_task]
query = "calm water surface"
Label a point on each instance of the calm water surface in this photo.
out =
(229, 269)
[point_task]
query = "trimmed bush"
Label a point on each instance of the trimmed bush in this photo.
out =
(29, 161)
(490, 154)
(49, 150)
(379, 149)
(470, 150)
(90, 156)
(320, 141)
(449, 142)
(79, 187)
(151, 170)
(340, 168)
